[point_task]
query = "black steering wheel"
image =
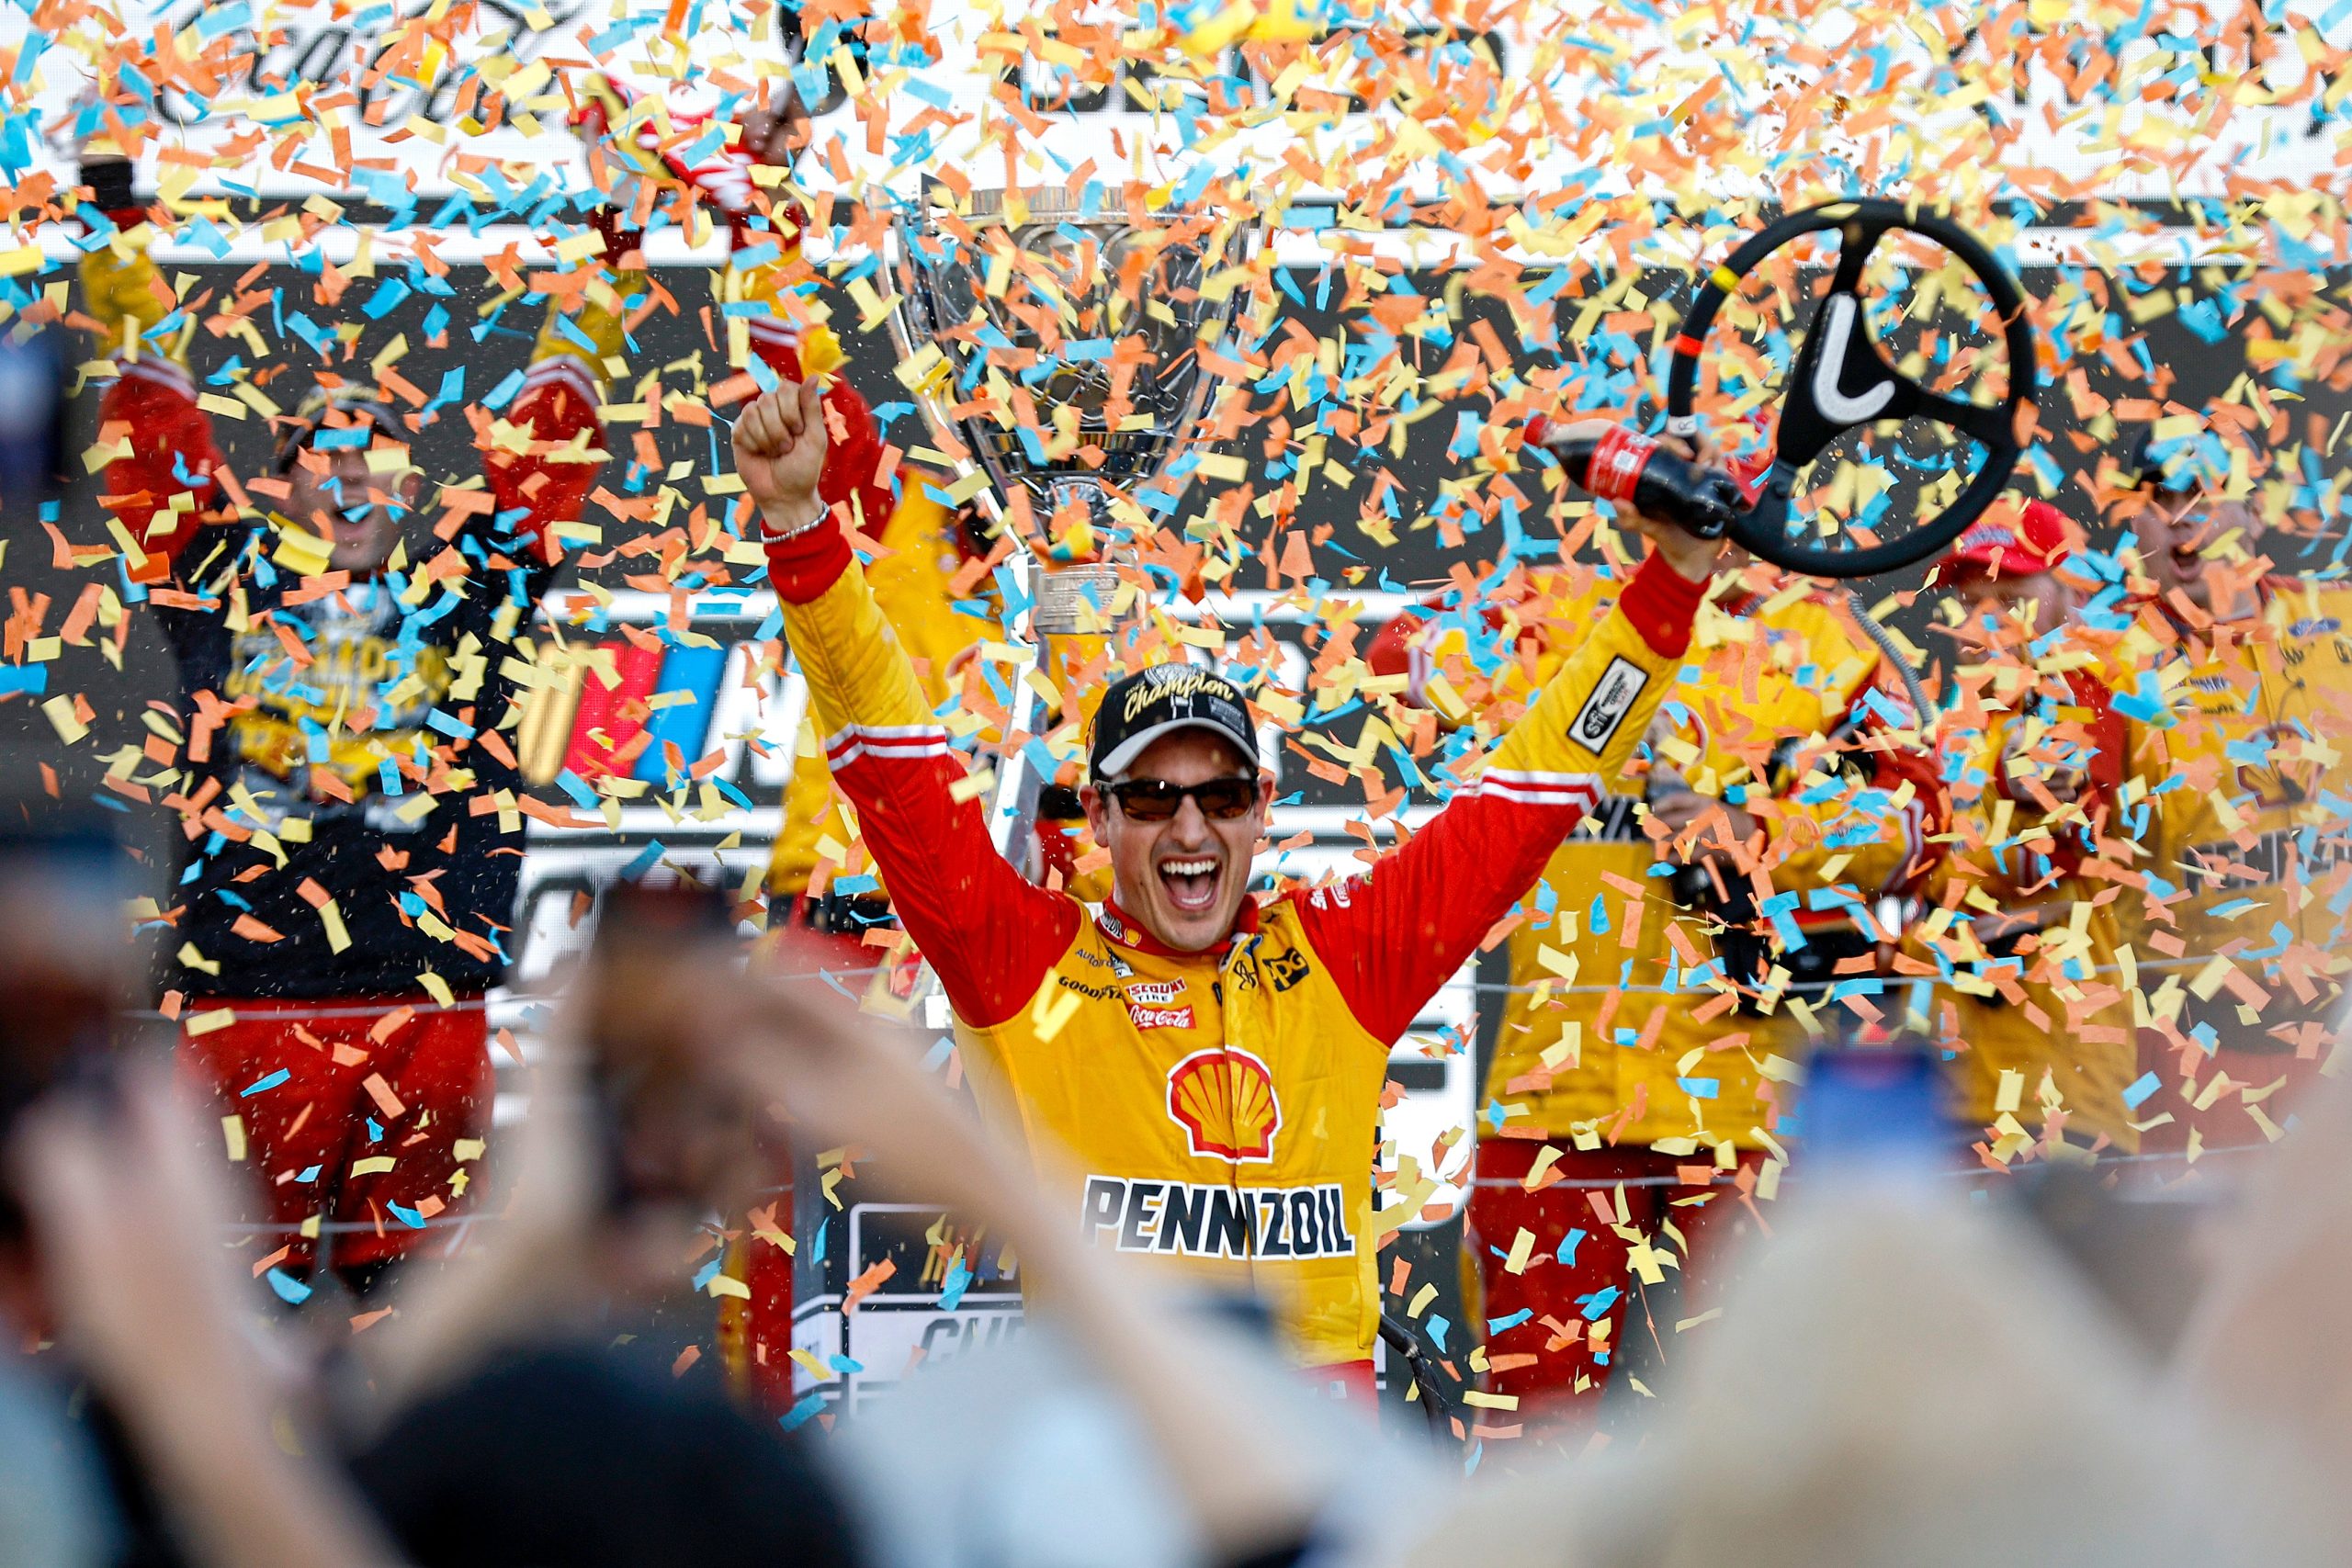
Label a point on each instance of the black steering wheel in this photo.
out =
(1842, 381)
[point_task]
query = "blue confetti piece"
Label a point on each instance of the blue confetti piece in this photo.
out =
(1596, 1306)
(1567, 1252)
(800, 1413)
(266, 1082)
(1497, 1324)
(413, 1219)
(958, 1281)
(291, 1291)
(2146, 1086)
(308, 1173)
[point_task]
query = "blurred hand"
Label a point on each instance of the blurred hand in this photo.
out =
(776, 132)
(2021, 762)
(127, 1219)
(780, 453)
(1724, 830)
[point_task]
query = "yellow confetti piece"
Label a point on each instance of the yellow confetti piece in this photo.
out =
(331, 916)
(1522, 1248)
(59, 712)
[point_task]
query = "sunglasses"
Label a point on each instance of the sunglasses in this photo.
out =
(1157, 800)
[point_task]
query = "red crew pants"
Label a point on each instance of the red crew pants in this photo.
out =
(1554, 1329)
(2223, 1123)
(350, 1110)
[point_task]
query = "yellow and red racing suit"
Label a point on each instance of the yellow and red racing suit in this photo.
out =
(2033, 905)
(1222, 1107)
(2239, 757)
(1631, 1065)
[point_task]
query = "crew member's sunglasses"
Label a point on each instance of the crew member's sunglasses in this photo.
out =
(1157, 800)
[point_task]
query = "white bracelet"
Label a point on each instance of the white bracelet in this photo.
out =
(772, 533)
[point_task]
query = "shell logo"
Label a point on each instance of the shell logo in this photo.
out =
(2283, 777)
(1225, 1101)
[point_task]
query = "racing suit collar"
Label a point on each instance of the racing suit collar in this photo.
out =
(1127, 932)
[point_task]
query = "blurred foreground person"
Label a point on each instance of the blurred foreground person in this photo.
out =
(176, 1445)
(540, 1406)
(1905, 1379)
(544, 1399)
(2265, 1349)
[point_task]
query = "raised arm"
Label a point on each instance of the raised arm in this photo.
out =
(778, 330)
(988, 934)
(543, 456)
(1393, 935)
(160, 484)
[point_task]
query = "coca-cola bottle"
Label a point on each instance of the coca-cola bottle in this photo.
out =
(1623, 466)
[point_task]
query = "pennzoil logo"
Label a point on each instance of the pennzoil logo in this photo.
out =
(1193, 1219)
(1225, 1101)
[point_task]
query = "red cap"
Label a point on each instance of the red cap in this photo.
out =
(2010, 544)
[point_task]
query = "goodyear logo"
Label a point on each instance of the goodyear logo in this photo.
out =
(1192, 1219)
(1224, 1099)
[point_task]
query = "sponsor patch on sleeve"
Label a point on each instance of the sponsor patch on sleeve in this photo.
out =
(1604, 711)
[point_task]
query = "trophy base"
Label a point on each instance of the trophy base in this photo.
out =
(1072, 600)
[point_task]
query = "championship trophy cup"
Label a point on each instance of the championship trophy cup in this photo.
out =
(1053, 346)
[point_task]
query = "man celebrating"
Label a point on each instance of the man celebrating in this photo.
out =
(2248, 834)
(1646, 1013)
(2031, 917)
(350, 802)
(1214, 1066)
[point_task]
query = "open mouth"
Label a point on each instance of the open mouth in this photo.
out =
(1190, 883)
(2187, 560)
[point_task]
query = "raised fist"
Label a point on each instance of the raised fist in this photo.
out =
(780, 453)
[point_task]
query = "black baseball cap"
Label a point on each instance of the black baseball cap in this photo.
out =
(1140, 708)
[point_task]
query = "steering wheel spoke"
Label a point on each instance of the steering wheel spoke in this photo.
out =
(1987, 427)
(1856, 241)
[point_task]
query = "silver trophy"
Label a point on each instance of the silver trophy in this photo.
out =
(1055, 344)
(1068, 365)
